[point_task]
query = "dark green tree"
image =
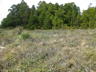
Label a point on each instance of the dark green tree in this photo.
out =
(33, 20)
(23, 12)
(47, 22)
(12, 19)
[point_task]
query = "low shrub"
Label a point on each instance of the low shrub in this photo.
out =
(24, 36)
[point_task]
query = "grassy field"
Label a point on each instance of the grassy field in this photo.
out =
(60, 50)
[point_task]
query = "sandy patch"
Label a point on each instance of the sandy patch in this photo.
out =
(1, 48)
(90, 33)
(55, 35)
(83, 43)
(61, 39)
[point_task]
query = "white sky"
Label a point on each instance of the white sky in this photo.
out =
(6, 4)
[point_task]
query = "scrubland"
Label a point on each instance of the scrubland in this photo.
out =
(59, 50)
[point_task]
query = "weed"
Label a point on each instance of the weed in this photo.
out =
(18, 30)
(25, 35)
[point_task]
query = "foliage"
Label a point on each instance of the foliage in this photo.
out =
(24, 36)
(49, 16)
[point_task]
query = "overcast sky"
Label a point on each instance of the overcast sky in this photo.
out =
(6, 4)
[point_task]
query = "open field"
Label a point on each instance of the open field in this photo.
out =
(48, 50)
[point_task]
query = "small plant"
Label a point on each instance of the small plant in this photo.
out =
(18, 30)
(25, 35)
(19, 37)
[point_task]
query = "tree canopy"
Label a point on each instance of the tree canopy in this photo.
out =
(49, 16)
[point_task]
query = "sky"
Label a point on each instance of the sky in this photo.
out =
(6, 4)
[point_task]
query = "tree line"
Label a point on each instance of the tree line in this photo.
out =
(49, 16)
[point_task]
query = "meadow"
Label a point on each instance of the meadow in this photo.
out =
(59, 50)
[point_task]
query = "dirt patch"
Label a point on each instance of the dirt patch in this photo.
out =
(61, 39)
(83, 43)
(55, 35)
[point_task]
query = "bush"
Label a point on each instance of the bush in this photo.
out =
(25, 35)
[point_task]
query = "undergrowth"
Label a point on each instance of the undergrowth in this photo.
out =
(48, 50)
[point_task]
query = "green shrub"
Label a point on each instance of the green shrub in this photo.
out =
(25, 35)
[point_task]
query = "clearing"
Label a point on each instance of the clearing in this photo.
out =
(48, 50)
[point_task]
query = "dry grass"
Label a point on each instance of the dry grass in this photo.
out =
(48, 50)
